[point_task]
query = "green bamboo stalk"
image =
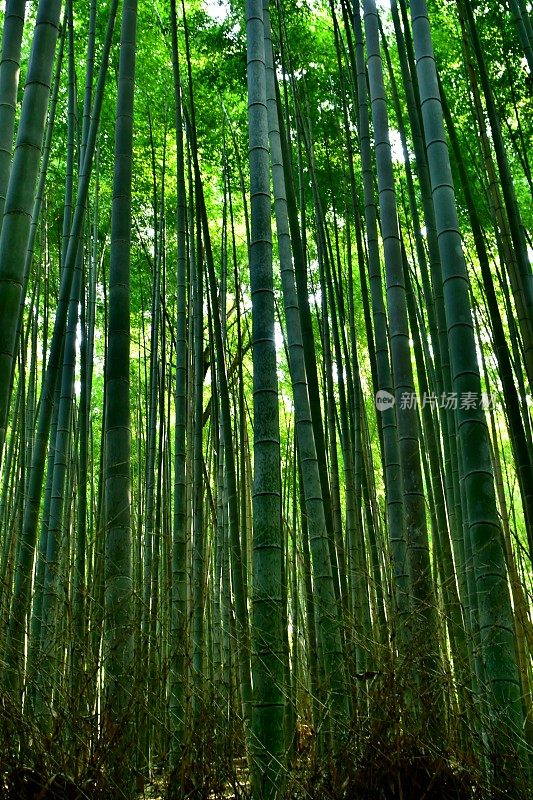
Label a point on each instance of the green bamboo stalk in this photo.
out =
(15, 637)
(118, 634)
(21, 189)
(328, 622)
(495, 614)
(268, 743)
(9, 80)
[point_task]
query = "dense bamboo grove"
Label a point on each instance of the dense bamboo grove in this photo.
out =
(266, 360)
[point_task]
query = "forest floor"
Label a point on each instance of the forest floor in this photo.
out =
(422, 778)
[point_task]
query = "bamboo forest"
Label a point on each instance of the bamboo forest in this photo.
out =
(266, 412)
